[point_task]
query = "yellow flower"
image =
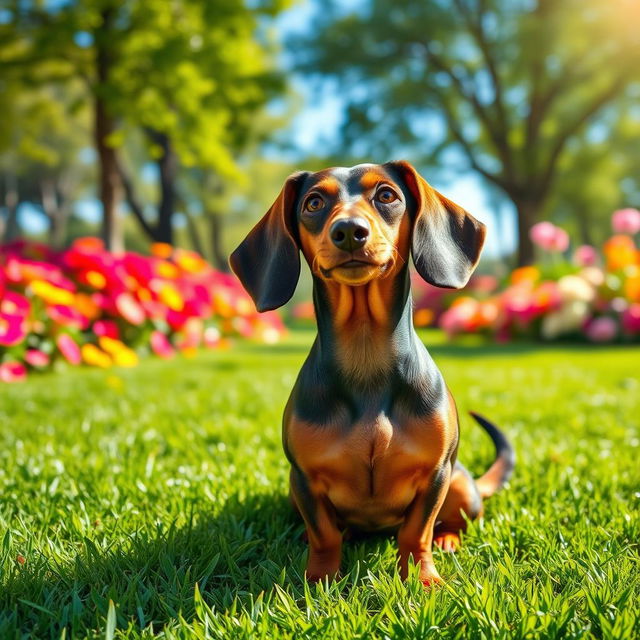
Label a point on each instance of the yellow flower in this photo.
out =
(52, 294)
(168, 270)
(190, 261)
(171, 298)
(94, 357)
(122, 355)
(96, 279)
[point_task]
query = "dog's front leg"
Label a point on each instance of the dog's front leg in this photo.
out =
(415, 536)
(323, 534)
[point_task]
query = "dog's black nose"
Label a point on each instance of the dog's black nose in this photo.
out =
(350, 234)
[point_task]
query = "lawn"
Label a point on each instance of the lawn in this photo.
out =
(163, 489)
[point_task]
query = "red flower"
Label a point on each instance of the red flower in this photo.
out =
(12, 372)
(106, 328)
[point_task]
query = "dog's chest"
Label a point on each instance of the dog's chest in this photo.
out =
(369, 470)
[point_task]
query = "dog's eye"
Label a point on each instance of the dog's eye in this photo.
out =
(386, 195)
(314, 203)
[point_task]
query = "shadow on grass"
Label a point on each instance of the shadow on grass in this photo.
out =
(243, 551)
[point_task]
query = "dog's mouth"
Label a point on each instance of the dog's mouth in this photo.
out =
(353, 266)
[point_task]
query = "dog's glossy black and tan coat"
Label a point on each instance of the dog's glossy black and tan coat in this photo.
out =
(370, 429)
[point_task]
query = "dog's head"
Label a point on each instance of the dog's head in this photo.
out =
(353, 225)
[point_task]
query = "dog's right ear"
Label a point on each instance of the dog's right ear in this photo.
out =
(267, 261)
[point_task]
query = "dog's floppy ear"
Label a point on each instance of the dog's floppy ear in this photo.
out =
(446, 241)
(267, 261)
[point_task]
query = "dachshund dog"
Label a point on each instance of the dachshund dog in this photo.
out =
(371, 429)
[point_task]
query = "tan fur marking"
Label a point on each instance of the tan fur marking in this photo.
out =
(328, 185)
(370, 471)
(371, 178)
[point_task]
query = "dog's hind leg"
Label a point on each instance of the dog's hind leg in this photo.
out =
(462, 498)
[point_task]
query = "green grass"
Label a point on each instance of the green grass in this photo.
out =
(163, 489)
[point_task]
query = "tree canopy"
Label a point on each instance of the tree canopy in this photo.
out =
(506, 86)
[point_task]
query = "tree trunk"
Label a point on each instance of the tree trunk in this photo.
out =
(220, 258)
(104, 126)
(56, 212)
(528, 212)
(584, 226)
(11, 228)
(168, 166)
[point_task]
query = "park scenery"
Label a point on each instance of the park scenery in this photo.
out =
(143, 483)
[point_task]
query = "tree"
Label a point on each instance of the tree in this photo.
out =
(42, 134)
(189, 74)
(505, 85)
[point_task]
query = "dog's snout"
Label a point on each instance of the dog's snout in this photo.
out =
(350, 234)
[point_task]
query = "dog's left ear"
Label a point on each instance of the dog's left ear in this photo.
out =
(267, 261)
(447, 240)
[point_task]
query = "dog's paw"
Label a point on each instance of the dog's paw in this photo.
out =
(447, 541)
(430, 577)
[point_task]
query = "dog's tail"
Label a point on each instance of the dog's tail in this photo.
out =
(502, 468)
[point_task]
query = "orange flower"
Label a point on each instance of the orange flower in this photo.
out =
(96, 279)
(423, 317)
(89, 244)
(94, 357)
(161, 250)
(222, 305)
(632, 286)
(525, 274)
(620, 252)
(87, 306)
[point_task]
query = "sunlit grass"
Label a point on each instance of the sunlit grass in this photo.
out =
(163, 489)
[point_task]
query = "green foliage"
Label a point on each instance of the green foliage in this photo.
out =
(505, 86)
(163, 490)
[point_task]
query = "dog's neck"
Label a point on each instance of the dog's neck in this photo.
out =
(364, 331)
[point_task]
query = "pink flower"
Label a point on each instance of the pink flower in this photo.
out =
(585, 256)
(12, 372)
(106, 328)
(129, 309)
(67, 316)
(549, 237)
(626, 221)
(12, 329)
(543, 234)
(602, 329)
(211, 337)
(631, 318)
(161, 346)
(14, 304)
(36, 358)
(560, 241)
(69, 349)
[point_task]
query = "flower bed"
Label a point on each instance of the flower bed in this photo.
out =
(594, 296)
(86, 305)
